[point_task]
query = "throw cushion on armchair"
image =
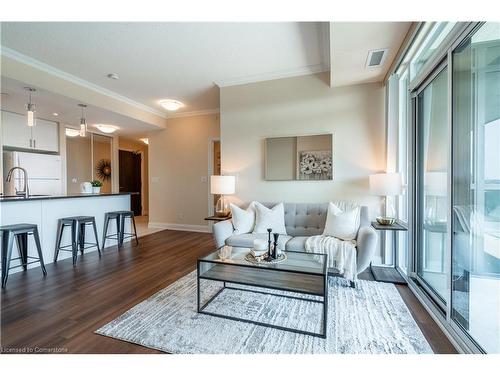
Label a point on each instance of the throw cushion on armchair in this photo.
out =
(273, 218)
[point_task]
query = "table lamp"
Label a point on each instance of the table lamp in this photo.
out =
(386, 185)
(223, 185)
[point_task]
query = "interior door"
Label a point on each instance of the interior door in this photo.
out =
(130, 178)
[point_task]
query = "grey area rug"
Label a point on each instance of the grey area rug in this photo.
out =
(369, 319)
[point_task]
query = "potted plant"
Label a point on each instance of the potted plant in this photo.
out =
(96, 186)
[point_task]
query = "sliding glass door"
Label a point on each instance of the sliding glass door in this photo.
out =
(475, 305)
(431, 193)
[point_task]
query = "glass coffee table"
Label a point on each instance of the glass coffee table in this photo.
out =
(304, 274)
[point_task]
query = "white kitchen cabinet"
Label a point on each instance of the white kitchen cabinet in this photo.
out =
(44, 136)
(15, 132)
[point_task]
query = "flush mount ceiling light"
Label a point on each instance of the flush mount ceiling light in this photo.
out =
(171, 105)
(105, 128)
(113, 76)
(83, 121)
(55, 114)
(72, 132)
(30, 108)
(145, 140)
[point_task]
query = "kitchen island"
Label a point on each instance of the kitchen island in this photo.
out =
(45, 211)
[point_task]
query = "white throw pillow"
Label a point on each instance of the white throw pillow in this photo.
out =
(243, 220)
(343, 225)
(273, 218)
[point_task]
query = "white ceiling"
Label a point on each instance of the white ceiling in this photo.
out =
(183, 61)
(68, 110)
(173, 60)
(350, 43)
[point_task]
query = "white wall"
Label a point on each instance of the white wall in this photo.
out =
(301, 106)
(178, 172)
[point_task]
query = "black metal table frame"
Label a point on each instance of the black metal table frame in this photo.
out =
(324, 301)
(397, 277)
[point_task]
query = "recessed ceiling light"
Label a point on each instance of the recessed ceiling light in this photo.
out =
(72, 132)
(105, 128)
(55, 114)
(171, 105)
(145, 140)
(113, 76)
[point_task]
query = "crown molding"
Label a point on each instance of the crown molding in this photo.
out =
(17, 56)
(194, 113)
(288, 73)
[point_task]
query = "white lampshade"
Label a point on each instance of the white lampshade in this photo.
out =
(386, 184)
(222, 184)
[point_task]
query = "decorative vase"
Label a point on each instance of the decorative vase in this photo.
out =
(222, 207)
(96, 190)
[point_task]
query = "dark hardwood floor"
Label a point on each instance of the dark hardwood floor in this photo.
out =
(62, 311)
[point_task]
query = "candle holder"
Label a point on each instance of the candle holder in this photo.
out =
(275, 250)
(269, 254)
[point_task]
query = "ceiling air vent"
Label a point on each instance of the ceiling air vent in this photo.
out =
(376, 58)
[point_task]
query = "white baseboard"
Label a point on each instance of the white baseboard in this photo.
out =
(181, 227)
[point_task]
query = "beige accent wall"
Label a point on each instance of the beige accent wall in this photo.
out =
(78, 162)
(178, 171)
(102, 149)
(133, 145)
(303, 106)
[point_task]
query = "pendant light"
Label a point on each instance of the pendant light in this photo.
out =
(83, 121)
(30, 108)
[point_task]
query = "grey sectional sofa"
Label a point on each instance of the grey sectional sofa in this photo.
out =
(301, 221)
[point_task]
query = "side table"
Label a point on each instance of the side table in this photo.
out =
(385, 273)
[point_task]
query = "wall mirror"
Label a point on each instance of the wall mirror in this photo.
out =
(304, 158)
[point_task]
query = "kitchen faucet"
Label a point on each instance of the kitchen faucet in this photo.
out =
(25, 190)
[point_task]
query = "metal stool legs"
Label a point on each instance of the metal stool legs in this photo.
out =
(20, 233)
(39, 250)
(78, 226)
(107, 217)
(7, 243)
(120, 234)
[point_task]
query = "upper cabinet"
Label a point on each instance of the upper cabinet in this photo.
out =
(15, 133)
(45, 136)
(42, 137)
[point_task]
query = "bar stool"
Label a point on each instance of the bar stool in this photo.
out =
(120, 234)
(78, 225)
(20, 232)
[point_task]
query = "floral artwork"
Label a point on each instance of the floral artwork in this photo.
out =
(315, 165)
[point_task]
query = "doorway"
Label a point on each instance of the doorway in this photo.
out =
(216, 167)
(130, 178)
